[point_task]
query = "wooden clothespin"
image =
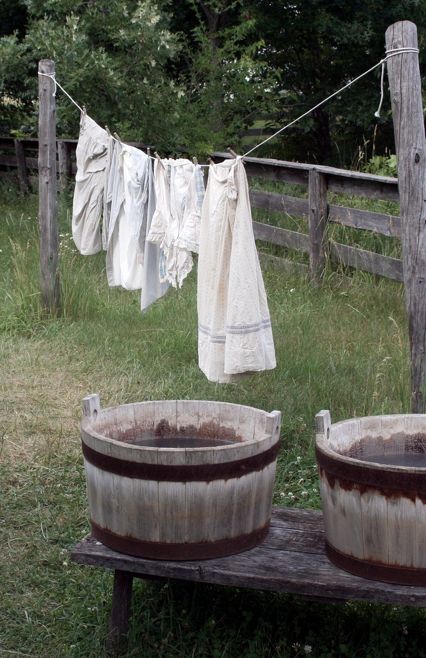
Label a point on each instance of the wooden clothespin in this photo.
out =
(210, 160)
(232, 152)
(108, 131)
(148, 151)
(194, 160)
(117, 137)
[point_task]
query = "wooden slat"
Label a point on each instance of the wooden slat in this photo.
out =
(389, 225)
(8, 160)
(279, 203)
(338, 180)
(290, 266)
(366, 260)
(289, 560)
(386, 190)
(281, 236)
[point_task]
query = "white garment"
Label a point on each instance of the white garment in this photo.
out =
(107, 200)
(175, 226)
(234, 326)
(130, 179)
(152, 288)
(92, 157)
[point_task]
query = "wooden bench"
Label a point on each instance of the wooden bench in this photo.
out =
(291, 559)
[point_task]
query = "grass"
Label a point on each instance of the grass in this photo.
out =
(341, 346)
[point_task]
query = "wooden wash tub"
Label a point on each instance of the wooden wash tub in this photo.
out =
(179, 479)
(373, 489)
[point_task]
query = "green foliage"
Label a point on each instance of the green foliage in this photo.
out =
(319, 46)
(110, 56)
(383, 165)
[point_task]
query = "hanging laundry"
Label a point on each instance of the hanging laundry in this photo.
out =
(108, 190)
(92, 157)
(234, 326)
(152, 287)
(130, 184)
(179, 190)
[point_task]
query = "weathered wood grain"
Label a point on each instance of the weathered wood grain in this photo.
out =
(408, 120)
(389, 225)
(48, 211)
(24, 185)
(279, 203)
(297, 566)
(121, 607)
(317, 224)
(368, 261)
(281, 236)
(284, 264)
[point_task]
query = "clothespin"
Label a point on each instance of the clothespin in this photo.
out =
(194, 160)
(232, 152)
(108, 131)
(148, 151)
(210, 160)
(117, 137)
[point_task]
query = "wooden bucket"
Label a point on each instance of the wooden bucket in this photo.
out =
(179, 479)
(373, 489)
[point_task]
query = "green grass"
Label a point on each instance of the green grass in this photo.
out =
(341, 346)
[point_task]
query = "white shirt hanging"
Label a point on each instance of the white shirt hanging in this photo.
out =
(92, 157)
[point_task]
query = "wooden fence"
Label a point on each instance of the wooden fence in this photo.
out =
(318, 180)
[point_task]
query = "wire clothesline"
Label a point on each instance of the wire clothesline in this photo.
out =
(389, 53)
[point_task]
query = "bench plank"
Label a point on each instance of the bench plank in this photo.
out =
(291, 559)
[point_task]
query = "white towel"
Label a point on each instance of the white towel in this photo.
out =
(234, 326)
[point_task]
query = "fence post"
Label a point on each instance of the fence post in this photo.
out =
(408, 121)
(22, 167)
(64, 163)
(47, 185)
(318, 211)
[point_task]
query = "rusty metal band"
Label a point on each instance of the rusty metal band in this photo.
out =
(181, 472)
(376, 477)
(398, 575)
(179, 551)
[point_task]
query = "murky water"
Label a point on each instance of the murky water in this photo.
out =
(152, 441)
(412, 459)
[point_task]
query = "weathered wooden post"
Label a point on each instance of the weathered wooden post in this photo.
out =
(408, 121)
(317, 224)
(24, 185)
(47, 185)
(64, 163)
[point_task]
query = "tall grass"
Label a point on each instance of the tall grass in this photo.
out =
(342, 346)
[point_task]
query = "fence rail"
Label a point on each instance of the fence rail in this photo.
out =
(22, 155)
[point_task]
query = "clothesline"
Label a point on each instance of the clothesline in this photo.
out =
(389, 53)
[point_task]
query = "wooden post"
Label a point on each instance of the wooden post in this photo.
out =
(64, 163)
(317, 224)
(120, 611)
(47, 185)
(408, 121)
(22, 167)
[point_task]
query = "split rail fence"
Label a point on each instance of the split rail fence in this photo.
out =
(22, 155)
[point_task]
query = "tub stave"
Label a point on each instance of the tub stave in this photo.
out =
(180, 503)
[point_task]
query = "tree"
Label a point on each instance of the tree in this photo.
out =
(317, 47)
(110, 55)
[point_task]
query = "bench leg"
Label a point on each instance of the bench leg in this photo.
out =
(120, 612)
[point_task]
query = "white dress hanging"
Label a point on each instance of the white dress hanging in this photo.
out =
(234, 326)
